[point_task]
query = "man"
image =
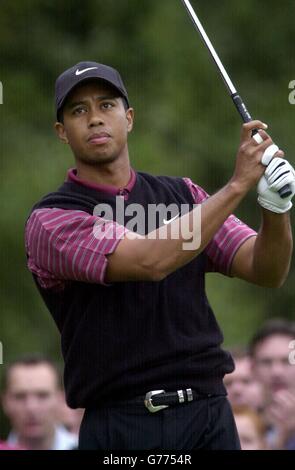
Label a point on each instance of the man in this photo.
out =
(270, 350)
(70, 418)
(242, 387)
(31, 398)
(140, 341)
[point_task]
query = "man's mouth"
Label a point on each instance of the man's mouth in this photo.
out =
(32, 424)
(99, 138)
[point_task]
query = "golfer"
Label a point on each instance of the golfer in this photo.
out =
(126, 286)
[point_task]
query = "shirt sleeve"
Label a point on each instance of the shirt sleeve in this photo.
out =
(69, 245)
(228, 239)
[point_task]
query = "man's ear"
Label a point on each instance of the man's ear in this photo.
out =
(61, 132)
(130, 119)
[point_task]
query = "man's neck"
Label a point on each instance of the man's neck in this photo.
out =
(43, 443)
(115, 174)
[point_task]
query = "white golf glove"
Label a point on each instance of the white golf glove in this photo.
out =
(278, 174)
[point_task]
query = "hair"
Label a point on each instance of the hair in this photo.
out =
(30, 360)
(272, 327)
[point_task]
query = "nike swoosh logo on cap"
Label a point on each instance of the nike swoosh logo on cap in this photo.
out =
(79, 72)
(166, 222)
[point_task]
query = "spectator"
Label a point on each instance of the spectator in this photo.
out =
(251, 429)
(270, 351)
(70, 418)
(242, 387)
(31, 397)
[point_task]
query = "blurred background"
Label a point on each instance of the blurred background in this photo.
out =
(185, 125)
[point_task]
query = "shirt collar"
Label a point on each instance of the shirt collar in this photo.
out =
(105, 188)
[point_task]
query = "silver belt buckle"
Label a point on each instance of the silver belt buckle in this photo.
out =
(148, 401)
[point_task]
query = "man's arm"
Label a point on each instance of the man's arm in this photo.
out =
(265, 260)
(153, 259)
(72, 245)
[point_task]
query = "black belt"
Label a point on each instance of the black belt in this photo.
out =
(159, 399)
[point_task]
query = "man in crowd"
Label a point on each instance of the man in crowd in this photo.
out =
(70, 418)
(243, 389)
(31, 399)
(271, 352)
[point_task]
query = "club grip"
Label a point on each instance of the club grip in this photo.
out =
(246, 117)
(241, 107)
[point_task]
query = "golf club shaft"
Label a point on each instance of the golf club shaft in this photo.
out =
(237, 100)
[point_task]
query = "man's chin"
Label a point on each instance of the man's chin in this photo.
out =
(97, 160)
(33, 431)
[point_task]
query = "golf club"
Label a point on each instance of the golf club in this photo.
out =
(237, 100)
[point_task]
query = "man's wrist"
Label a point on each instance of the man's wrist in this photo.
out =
(237, 189)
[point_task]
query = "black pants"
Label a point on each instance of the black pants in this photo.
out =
(202, 424)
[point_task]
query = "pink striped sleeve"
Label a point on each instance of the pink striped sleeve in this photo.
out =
(67, 245)
(226, 242)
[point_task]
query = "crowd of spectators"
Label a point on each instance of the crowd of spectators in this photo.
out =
(261, 391)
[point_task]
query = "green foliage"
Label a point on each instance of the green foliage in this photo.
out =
(185, 122)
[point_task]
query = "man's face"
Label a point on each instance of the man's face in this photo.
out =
(31, 400)
(96, 124)
(242, 388)
(271, 364)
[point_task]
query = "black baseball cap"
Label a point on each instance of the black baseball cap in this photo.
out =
(84, 71)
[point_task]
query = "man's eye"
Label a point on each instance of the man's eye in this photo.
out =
(79, 110)
(107, 105)
(266, 362)
(19, 396)
(43, 395)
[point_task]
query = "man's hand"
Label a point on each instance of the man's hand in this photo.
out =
(249, 168)
(281, 414)
(278, 174)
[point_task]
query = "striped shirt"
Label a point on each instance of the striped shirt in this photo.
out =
(62, 245)
(227, 240)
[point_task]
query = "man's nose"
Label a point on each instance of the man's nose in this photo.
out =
(278, 369)
(95, 118)
(32, 403)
